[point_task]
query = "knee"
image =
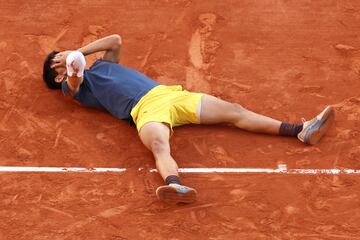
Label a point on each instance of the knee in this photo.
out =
(159, 146)
(238, 108)
(236, 112)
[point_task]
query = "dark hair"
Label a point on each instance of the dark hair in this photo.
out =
(49, 73)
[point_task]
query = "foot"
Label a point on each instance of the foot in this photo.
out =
(175, 193)
(314, 129)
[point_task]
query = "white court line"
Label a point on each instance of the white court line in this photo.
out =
(282, 169)
(60, 169)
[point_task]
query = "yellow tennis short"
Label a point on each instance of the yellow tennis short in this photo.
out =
(167, 104)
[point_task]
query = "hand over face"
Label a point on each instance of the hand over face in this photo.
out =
(60, 59)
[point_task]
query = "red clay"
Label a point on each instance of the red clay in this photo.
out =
(285, 59)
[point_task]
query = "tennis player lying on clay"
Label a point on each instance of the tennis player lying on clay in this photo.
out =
(156, 108)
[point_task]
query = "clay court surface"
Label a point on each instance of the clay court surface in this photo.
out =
(278, 58)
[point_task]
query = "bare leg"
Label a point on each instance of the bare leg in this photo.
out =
(155, 136)
(212, 110)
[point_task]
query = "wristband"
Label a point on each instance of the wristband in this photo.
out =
(79, 59)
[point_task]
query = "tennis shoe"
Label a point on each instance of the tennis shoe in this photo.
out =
(175, 193)
(314, 129)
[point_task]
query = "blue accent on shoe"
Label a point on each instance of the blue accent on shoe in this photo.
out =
(314, 127)
(181, 189)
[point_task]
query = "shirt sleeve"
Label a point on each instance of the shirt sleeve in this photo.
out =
(65, 88)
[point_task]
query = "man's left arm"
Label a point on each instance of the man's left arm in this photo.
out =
(110, 44)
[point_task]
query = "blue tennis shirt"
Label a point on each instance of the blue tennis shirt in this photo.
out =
(113, 87)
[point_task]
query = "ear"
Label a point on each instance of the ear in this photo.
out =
(59, 78)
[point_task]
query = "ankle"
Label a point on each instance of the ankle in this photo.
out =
(172, 179)
(291, 130)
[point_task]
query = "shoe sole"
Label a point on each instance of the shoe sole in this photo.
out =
(323, 125)
(169, 195)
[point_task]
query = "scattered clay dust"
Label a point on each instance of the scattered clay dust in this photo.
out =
(285, 59)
